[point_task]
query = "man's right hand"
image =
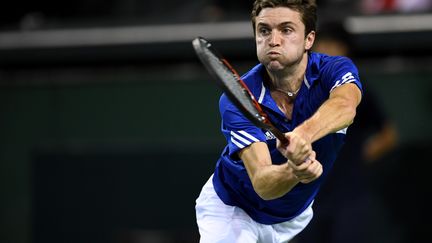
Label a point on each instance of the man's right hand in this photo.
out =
(298, 149)
(309, 170)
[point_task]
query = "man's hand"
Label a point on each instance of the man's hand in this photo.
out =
(298, 150)
(308, 171)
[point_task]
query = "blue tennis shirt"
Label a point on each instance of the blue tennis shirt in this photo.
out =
(231, 181)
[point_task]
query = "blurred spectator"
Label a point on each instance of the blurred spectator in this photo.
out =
(390, 6)
(224, 10)
(413, 5)
(348, 208)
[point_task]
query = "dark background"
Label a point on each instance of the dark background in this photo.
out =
(108, 136)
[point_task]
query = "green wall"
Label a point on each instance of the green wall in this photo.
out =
(86, 115)
(152, 112)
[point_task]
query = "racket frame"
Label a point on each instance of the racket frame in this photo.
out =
(206, 53)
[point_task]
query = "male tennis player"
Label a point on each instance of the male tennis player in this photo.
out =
(263, 190)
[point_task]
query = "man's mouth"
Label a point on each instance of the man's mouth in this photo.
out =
(273, 54)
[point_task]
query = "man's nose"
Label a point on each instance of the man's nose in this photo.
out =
(274, 38)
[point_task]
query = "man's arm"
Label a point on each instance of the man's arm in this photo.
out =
(273, 181)
(336, 113)
(269, 181)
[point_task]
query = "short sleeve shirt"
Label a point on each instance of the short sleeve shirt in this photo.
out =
(231, 181)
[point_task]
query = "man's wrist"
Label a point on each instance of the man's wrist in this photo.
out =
(303, 133)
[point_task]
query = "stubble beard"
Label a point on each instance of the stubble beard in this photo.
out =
(281, 66)
(275, 66)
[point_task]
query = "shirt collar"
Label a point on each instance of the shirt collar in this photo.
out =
(310, 77)
(313, 69)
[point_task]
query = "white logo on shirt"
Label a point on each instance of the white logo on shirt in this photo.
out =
(269, 136)
(347, 78)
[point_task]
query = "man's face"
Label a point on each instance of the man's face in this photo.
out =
(280, 38)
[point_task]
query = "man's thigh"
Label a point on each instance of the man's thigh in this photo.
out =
(218, 222)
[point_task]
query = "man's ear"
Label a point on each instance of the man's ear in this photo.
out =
(310, 38)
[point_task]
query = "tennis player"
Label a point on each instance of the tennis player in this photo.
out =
(263, 190)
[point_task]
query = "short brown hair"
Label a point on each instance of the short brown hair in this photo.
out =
(306, 8)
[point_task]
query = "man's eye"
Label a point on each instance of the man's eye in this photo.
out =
(264, 31)
(286, 30)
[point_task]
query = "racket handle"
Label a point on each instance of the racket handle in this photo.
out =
(279, 135)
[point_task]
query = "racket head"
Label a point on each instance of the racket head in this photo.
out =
(229, 81)
(234, 87)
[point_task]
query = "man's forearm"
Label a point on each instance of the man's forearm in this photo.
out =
(269, 180)
(333, 115)
(274, 181)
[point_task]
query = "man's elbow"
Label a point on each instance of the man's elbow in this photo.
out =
(266, 196)
(348, 111)
(264, 192)
(351, 113)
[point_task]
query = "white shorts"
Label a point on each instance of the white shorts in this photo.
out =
(221, 223)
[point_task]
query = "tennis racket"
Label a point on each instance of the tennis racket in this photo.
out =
(231, 83)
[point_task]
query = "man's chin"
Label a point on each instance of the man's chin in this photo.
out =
(274, 66)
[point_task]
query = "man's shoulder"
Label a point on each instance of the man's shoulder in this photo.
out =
(253, 74)
(324, 61)
(326, 67)
(331, 70)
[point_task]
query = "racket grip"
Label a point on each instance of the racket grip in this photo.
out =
(279, 135)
